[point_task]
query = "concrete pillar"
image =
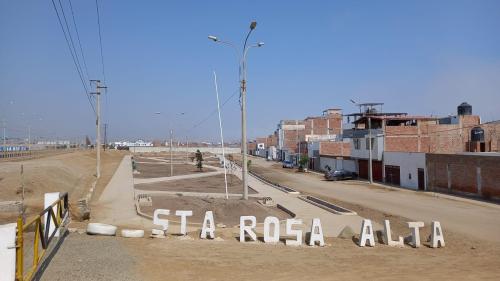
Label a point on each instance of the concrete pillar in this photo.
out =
(448, 172)
(8, 251)
(478, 179)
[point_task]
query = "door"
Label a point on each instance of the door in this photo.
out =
(376, 169)
(363, 169)
(421, 179)
(392, 174)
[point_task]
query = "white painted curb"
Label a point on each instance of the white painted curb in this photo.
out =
(101, 229)
(132, 233)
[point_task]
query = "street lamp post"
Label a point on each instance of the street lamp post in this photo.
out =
(243, 96)
(171, 141)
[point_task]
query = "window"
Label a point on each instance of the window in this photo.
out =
(368, 144)
(356, 144)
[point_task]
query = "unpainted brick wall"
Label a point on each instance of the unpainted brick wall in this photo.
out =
(463, 174)
(334, 148)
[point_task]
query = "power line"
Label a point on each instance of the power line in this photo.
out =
(73, 56)
(100, 41)
(78, 37)
(214, 111)
(71, 40)
(102, 62)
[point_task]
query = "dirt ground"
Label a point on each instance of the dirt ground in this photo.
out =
(70, 172)
(163, 170)
(116, 258)
(211, 184)
(181, 258)
(227, 212)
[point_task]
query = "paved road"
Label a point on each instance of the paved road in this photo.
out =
(479, 220)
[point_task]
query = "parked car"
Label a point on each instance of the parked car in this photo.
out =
(340, 175)
(287, 164)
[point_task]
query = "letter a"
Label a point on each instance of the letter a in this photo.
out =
(366, 234)
(316, 233)
(247, 228)
(210, 230)
(437, 238)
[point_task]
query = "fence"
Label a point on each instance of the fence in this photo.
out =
(29, 154)
(54, 216)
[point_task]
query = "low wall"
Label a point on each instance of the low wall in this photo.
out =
(215, 150)
(476, 174)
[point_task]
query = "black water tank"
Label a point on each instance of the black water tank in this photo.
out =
(477, 134)
(464, 109)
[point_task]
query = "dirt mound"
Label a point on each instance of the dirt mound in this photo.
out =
(227, 212)
(72, 172)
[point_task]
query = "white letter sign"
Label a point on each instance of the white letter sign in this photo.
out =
(437, 238)
(210, 230)
(415, 232)
(388, 236)
(366, 234)
(316, 233)
(276, 230)
(161, 222)
(296, 232)
(247, 228)
(183, 215)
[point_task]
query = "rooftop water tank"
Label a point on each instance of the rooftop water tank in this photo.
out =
(464, 109)
(477, 134)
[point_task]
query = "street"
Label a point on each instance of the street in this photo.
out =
(481, 221)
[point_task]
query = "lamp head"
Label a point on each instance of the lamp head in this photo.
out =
(213, 38)
(260, 44)
(253, 25)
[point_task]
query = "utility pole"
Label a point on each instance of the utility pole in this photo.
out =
(187, 150)
(370, 168)
(244, 162)
(4, 138)
(105, 135)
(98, 126)
(29, 139)
(171, 144)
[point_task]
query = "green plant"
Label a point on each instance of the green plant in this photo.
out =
(199, 160)
(303, 161)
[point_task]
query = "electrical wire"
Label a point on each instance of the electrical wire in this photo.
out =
(213, 112)
(73, 57)
(79, 41)
(100, 41)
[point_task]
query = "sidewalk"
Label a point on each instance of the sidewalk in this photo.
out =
(116, 205)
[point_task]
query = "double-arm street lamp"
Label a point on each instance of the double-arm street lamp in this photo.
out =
(243, 94)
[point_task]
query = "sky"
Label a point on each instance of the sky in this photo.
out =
(421, 57)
